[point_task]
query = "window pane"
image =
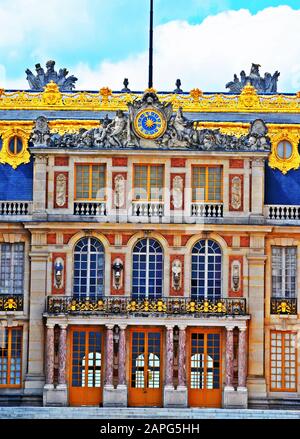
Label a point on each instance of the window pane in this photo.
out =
(11, 268)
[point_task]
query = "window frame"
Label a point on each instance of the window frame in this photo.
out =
(91, 165)
(148, 166)
(283, 360)
(207, 167)
(9, 349)
(283, 292)
(88, 295)
(13, 268)
(147, 295)
(206, 262)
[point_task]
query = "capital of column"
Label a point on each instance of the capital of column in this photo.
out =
(122, 326)
(50, 325)
(63, 325)
(109, 326)
(182, 327)
(230, 327)
(169, 327)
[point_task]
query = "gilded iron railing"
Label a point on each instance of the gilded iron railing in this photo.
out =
(106, 100)
(11, 303)
(127, 305)
(283, 306)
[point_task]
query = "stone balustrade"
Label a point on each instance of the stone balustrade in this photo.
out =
(207, 210)
(144, 209)
(11, 208)
(89, 208)
(282, 212)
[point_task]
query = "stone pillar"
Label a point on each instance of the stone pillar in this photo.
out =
(115, 397)
(40, 186)
(62, 352)
(242, 358)
(175, 397)
(235, 398)
(122, 356)
(182, 357)
(49, 356)
(35, 375)
(169, 357)
(58, 396)
(256, 382)
(257, 188)
(229, 357)
(109, 356)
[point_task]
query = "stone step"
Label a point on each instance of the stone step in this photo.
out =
(141, 413)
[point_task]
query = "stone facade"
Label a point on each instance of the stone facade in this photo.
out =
(208, 350)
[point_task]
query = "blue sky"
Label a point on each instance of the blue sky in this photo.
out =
(95, 37)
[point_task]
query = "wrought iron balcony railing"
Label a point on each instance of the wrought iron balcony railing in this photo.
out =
(127, 305)
(283, 306)
(12, 302)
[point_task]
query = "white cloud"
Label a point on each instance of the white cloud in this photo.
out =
(207, 55)
(204, 55)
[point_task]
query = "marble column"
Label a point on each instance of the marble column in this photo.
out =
(242, 357)
(109, 356)
(170, 356)
(62, 352)
(122, 356)
(49, 355)
(229, 357)
(182, 357)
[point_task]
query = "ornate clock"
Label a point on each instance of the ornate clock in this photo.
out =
(150, 123)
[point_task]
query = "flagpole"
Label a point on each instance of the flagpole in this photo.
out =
(150, 81)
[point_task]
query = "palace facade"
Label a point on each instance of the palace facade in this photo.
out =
(149, 248)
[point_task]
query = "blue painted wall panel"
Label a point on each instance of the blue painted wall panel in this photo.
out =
(16, 184)
(282, 189)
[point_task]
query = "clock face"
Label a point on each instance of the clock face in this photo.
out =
(150, 123)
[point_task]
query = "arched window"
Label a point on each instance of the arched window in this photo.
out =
(147, 270)
(206, 270)
(88, 269)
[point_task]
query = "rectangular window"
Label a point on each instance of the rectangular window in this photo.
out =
(207, 184)
(283, 361)
(11, 268)
(284, 267)
(90, 182)
(148, 182)
(10, 357)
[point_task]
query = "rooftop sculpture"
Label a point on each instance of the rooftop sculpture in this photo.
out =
(151, 124)
(41, 79)
(266, 84)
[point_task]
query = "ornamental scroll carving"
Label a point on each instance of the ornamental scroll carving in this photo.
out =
(119, 193)
(236, 193)
(61, 190)
(176, 274)
(178, 192)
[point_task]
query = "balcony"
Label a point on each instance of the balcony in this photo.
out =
(283, 306)
(165, 306)
(89, 208)
(147, 208)
(11, 208)
(13, 302)
(282, 212)
(207, 210)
